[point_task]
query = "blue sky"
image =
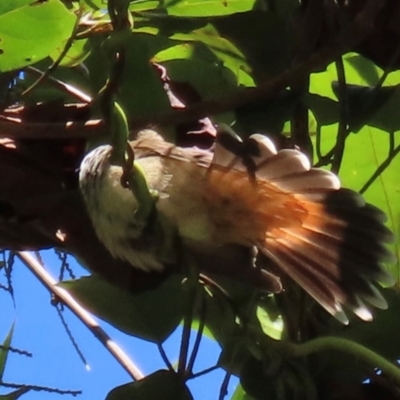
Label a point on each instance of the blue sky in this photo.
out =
(55, 363)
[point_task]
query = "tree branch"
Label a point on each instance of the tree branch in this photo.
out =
(34, 266)
(343, 43)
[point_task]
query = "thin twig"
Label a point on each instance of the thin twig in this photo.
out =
(71, 337)
(203, 372)
(8, 270)
(17, 351)
(39, 388)
(34, 266)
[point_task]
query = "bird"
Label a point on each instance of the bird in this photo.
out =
(324, 237)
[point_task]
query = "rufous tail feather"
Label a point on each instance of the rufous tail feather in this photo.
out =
(325, 238)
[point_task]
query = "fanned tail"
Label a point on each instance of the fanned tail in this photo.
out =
(327, 239)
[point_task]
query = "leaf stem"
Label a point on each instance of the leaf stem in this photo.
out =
(199, 335)
(164, 356)
(185, 341)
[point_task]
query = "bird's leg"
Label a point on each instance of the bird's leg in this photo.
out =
(245, 150)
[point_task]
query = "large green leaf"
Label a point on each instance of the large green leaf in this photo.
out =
(207, 79)
(220, 319)
(95, 5)
(282, 379)
(359, 72)
(263, 37)
(10, 5)
(321, 82)
(151, 315)
(266, 115)
(165, 385)
(324, 109)
(363, 104)
(222, 50)
(191, 8)
(382, 334)
(206, 8)
(142, 5)
(142, 92)
(364, 70)
(76, 54)
(32, 32)
(379, 335)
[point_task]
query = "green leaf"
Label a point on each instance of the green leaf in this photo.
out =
(358, 71)
(143, 5)
(271, 325)
(10, 5)
(4, 351)
(363, 104)
(277, 379)
(76, 54)
(222, 51)
(165, 385)
(151, 315)
(263, 37)
(219, 316)
(191, 8)
(380, 335)
(255, 382)
(206, 78)
(139, 77)
(266, 115)
(366, 69)
(325, 110)
(240, 394)
(386, 117)
(95, 5)
(206, 8)
(285, 7)
(32, 32)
